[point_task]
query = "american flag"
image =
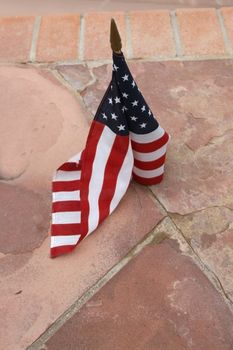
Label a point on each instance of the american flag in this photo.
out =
(124, 140)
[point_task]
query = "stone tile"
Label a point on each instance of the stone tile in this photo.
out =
(146, 307)
(45, 122)
(15, 38)
(43, 298)
(210, 233)
(96, 34)
(30, 223)
(58, 38)
(192, 101)
(157, 34)
(200, 32)
(78, 76)
(227, 14)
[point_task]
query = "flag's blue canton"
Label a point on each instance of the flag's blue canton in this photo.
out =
(139, 116)
(123, 107)
(110, 110)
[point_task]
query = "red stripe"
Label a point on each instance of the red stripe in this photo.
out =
(113, 166)
(66, 206)
(70, 166)
(87, 163)
(146, 182)
(150, 165)
(58, 186)
(151, 146)
(65, 229)
(56, 251)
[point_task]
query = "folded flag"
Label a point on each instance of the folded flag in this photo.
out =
(124, 140)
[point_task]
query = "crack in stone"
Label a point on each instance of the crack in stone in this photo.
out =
(211, 275)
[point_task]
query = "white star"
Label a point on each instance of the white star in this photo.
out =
(143, 108)
(133, 118)
(125, 95)
(134, 103)
(124, 109)
(149, 112)
(104, 116)
(110, 100)
(114, 116)
(115, 67)
(117, 100)
(143, 125)
(133, 83)
(121, 127)
(125, 77)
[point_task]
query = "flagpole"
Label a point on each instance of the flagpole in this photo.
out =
(115, 38)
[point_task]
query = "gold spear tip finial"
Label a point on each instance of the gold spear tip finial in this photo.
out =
(115, 38)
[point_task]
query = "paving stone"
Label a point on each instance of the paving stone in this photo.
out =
(15, 38)
(210, 233)
(192, 101)
(30, 223)
(45, 121)
(96, 34)
(78, 76)
(227, 14)
(44, 298)
(58, 38)
(157, 34)
(160, 300)
(194, 24)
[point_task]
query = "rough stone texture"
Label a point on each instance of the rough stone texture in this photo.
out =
(24, 218)
(157, 34)
(200, 32)
(192, 101)
(227, 14)
(58, 38)
(42, 125)
(96, 35)
(210, 233)
(160, 300)
(15, 38)
(78, 76)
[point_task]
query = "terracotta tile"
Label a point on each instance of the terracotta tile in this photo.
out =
(96, 35)
(200, 32)
(151, 34)
(15, 38)
(58, 38)
(227, 14)
(160, 300)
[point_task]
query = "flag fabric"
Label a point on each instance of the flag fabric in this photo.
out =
(148, 138)
(124, 140)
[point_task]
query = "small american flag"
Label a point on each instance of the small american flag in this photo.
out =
(124, 140)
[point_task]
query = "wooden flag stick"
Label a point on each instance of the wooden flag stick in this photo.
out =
(115, 38)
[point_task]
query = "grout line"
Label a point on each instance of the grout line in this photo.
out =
(81, 38)
(176, 33)
(35, 35)
(226, 40)
(37, 345)
(129, 48)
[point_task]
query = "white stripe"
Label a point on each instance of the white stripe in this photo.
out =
(75, 158)
(66, 196)
(66, 217)
(123, 179)
(150, 156)
(150, 137)
(149, 173)
(67, 175)
(103, 151)
(57, 241)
